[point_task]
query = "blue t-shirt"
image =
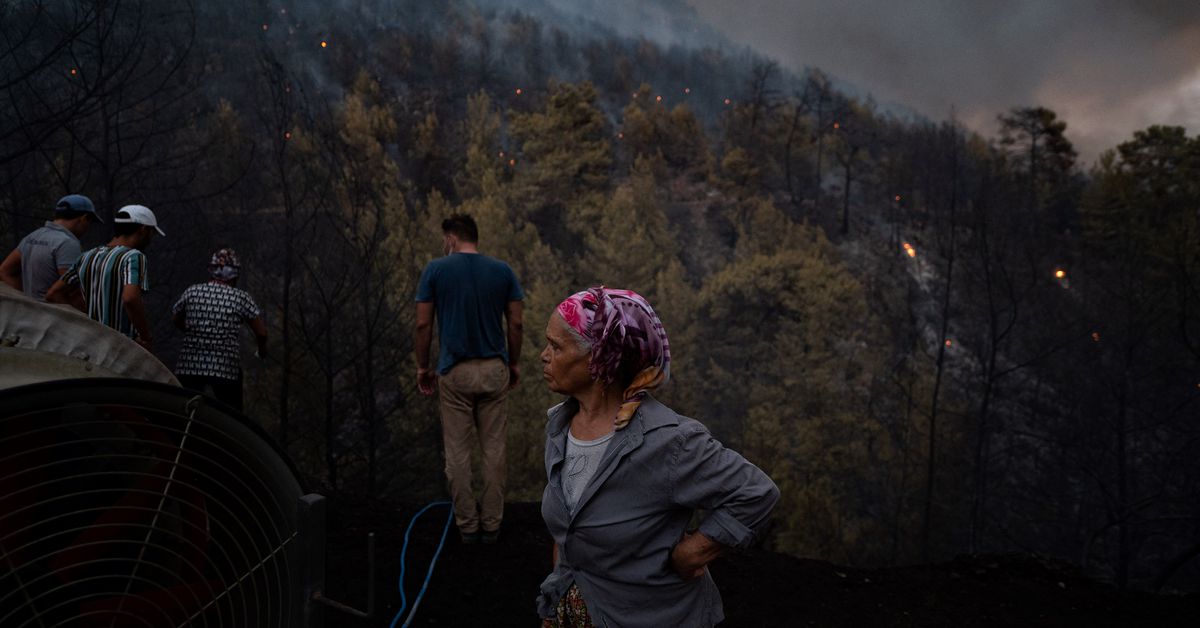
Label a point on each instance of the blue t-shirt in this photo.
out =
(470, 294)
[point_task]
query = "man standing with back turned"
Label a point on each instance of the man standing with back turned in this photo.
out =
(45, 255)
(107, 282)
(472, 296)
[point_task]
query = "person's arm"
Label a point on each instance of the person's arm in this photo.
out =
(693, 553)
(131, 298)
(10, 269)
(69, 293)
(516, 330)
(426, 381)
(66, 255)
(260, 335)
(738, 495)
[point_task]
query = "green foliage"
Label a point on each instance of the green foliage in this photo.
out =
(649, 130)
(782, 350)
(1066, 404)
(564, 158)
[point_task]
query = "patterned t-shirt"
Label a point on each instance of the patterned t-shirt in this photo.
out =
(214, 314)
(102, 274)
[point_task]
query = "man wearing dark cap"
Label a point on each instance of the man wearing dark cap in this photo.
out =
(44, 255)
(107, 282)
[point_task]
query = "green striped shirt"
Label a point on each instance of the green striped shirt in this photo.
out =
(102, 273)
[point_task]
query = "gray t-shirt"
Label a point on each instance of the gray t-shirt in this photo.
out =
(43, 253)
(583, 458)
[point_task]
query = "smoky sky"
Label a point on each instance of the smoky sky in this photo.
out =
(1107, 67)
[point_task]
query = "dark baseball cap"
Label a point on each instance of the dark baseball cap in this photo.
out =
(77, 203)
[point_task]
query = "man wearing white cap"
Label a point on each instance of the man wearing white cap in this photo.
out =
(46, 253)
(108, 281)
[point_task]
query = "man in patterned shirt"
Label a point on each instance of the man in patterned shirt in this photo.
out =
(211, 315)
(107, 282)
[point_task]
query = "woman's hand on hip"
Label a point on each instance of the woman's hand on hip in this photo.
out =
(692, 554)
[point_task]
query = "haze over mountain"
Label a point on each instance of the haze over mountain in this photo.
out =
(1108, 68)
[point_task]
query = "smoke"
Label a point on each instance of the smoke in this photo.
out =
(666, 22)
(1107, 67)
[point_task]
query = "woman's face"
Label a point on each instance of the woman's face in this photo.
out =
(564, 363)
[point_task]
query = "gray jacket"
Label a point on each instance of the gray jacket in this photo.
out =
(616, 546)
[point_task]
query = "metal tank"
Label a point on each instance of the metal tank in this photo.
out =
(126, 500)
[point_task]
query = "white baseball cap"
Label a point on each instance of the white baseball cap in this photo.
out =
(138, 215)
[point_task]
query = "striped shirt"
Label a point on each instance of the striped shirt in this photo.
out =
(214, 314)
(102, 274)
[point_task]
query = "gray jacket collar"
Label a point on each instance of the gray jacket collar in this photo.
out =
(650, 416)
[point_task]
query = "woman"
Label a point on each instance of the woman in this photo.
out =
(211, 315)
(625, 474)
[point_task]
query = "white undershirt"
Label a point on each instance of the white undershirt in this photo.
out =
(583, 458)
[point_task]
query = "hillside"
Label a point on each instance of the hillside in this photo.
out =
(495, 585)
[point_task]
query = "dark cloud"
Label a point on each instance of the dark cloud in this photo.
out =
(1108, 67)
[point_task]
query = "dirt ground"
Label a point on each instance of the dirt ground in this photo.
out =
(494, 585)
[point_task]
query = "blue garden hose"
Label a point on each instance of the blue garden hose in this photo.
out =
(432, 562)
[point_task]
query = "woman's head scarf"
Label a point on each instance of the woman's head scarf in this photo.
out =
(625, 335)
(224, 265)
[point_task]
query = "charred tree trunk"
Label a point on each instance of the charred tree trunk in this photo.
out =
(931, 463)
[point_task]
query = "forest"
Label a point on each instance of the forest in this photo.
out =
(937, 341)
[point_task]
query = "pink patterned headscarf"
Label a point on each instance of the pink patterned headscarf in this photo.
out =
(620, 325)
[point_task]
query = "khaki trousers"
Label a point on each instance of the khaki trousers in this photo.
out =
(471, 397)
